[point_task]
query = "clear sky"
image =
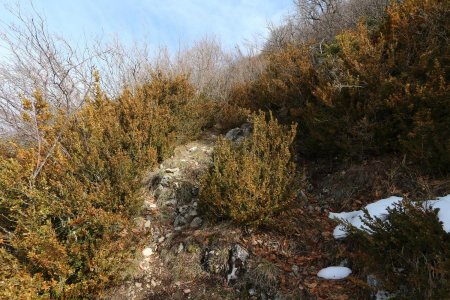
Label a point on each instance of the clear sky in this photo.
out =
(160, 22)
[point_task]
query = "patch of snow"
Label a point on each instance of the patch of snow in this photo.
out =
(334, 273)
(443, 203)
(378, 209)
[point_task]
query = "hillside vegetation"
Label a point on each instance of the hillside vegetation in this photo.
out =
(381, 87)
(374, 89)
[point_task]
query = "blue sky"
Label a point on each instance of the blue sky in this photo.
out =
(160, 22)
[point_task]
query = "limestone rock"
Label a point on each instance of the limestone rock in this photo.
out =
(237, 263)
(237, 135)
(215, 260)
(196, 222)
(179, 221)
(147, 252)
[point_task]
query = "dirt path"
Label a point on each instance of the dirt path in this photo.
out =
(170, 266)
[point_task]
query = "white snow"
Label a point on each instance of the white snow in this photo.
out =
(379, 209)
(443, 203)
(334, 273)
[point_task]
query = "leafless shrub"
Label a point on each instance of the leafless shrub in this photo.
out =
(321, 20)
(212, 70)
(36, 59)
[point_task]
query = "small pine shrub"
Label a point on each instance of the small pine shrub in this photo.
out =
(251, 182)
(409, 252)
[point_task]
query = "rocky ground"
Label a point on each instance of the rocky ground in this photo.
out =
(187, 257)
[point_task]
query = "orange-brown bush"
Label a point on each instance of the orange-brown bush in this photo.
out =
(230, 116)
(370, 91)
(67, 231)
(253, 181)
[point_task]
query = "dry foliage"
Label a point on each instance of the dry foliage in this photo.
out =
(252, 182)
(369, 91)
(68, 200)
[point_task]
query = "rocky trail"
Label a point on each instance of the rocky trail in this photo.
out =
(181, 258)
(185, 257)
(170, 261)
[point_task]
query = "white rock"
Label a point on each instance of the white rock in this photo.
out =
(149, 205)
(138, 284)
(147, 252)
(172, 202)
(193, 149)
(180, 248)
(334, 273)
